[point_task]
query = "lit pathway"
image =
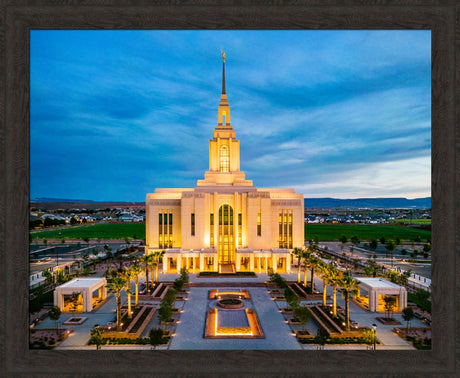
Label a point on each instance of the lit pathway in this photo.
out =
(190, 330)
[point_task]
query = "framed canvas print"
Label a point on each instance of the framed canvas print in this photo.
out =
(243, 193)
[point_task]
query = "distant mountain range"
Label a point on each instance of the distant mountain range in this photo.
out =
(45, 199)
(373, 203)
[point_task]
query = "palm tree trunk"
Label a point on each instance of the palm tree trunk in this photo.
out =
(137, 290)
(298, 270)
(305, 277)
(324, 292)
(334, 302)
(347, 311)
(156, 273)
(129, 303)
(118, 311)
(146, 279)
(312, 281)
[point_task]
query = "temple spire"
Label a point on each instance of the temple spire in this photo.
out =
(223, 71)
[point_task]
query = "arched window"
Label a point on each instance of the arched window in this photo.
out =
(224, 158)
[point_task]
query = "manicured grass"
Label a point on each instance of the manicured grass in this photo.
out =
(365, 232)
(95, 231)
(325, 232)
(414, 221)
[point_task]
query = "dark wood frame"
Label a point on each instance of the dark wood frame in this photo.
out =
(18, 16)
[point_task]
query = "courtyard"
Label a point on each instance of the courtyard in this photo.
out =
(188, 333)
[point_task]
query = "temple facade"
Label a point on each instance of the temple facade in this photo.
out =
(225, 223)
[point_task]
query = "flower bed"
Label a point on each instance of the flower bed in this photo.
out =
(337, 340)
(118, 341)
(387, 321)
(75, 321)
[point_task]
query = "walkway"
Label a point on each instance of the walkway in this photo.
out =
(190, 330)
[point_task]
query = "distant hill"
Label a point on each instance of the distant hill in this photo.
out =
(45, 199)
(56, 203)
(374, 203)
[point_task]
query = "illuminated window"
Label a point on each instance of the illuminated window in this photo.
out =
(285, 229)
(225, 242)
(211, 223)
(165, 229)
(240, 230)
(259, 225)
(224, 159)
(193, 223)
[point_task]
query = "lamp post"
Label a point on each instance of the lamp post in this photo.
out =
(374, 327)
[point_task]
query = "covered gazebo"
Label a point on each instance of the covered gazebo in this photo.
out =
(84, 286)
(377, 288)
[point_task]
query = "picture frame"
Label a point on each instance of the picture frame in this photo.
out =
(18, 17)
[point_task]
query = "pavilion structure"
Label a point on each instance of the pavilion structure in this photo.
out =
(92, 290)
(376, 289)
(225, 223)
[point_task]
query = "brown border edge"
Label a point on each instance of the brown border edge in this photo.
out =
(18, 17)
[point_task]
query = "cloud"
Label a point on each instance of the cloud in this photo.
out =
(109, 108)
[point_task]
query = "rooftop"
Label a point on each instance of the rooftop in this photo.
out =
(82, 282)
(377, 282)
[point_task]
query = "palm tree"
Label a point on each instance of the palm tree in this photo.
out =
(118, 285)
(350, 287)
(297, 252)
(128, 276)
(306, 255)
(323, 269)
(147, 260)
(136, 269)
(314, 263)
(333, 276)
(156, 262)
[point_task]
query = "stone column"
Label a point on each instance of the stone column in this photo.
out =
(260, 268)
(274, 262)
(179, 263)
(288, 263)
(238, 262)
(165, 263)
(214, 260)
(266, 264)
(201, 266)
(251, 262)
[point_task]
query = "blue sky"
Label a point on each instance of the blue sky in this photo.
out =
(344, 114)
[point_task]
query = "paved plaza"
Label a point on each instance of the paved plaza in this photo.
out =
(189, 332)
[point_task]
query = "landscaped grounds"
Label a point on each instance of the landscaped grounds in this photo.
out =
(333, 232)
(324, 232)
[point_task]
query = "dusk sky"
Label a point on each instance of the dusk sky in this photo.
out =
(343, 114)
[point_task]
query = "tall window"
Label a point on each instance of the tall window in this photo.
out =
(240, 230)
(225, 247)
(259, 224)
(192, 220)
(285, 229)
(165, 229)
(211, 223)
(224, 156)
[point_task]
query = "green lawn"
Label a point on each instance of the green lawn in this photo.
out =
(325, 232)
(365, 232)
(414, 221)
(96, 231)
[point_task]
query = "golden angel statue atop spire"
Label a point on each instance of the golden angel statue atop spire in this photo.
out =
(223, 55)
